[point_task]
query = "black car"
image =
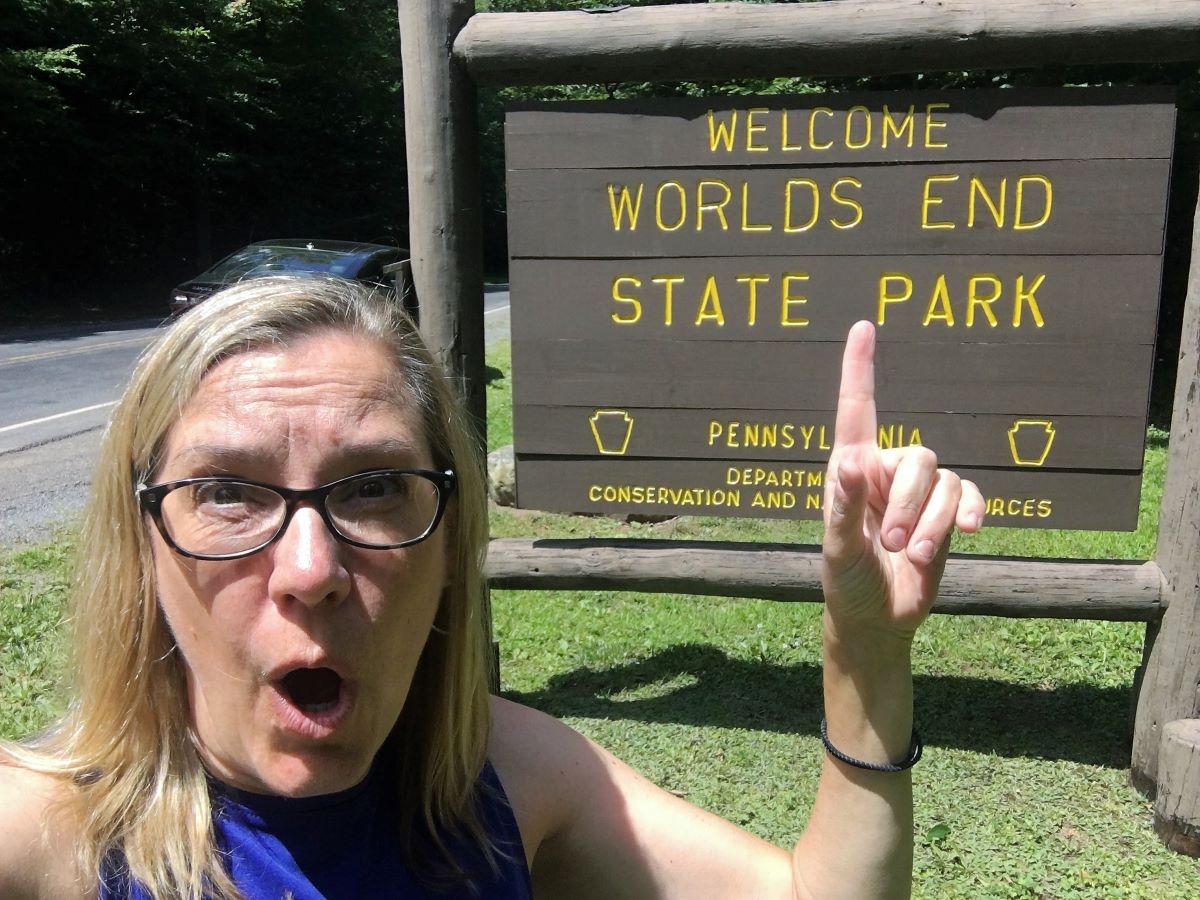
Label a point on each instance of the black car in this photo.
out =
(375, 264)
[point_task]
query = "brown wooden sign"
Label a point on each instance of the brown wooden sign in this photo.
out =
(971, 439)
(683, 274)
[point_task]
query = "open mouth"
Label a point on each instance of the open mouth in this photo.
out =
(313, 691)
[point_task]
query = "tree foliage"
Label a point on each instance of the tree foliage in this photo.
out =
(144, 137)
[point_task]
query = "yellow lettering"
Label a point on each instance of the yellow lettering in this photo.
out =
(710, 305)
(718, 206)
(746, 226)
(668, 282)
(939, 303)
(812, 122)
(789, 300)
(625, 208)
(1026, 296)
(752, 282)
(932, 123)
(865, 114)
(721, 131)
(787, 204)
(812, 501)
(715, 429)
(887, 437)
(1047, 199)
(1025, 507)
(886, 294)
(846, 201)
(784, 142)
(787, 436)
(753, 127)
(636, 313)
(976, 299)
(996, 211)
(906, 124)
(658, 206)
(594, 493)
(928, 200)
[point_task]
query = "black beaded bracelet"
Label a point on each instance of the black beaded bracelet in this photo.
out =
(914, 754)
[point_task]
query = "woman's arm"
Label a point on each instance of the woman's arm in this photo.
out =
(37, 853)
(888, 520)
(594, 828)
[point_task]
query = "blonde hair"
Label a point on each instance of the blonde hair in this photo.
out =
(124, 743)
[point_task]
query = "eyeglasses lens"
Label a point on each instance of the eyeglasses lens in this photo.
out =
(219, 517)
(381, 509)
(384, 509)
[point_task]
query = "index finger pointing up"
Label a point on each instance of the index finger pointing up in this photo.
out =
(856, 423)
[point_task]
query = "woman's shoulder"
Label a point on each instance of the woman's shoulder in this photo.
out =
(38, 836)
(536, 758)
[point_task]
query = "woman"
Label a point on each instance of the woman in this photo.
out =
(281, 666)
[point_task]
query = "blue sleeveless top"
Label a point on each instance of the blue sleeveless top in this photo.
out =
(344, 845)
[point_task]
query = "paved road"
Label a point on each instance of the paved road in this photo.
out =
(57, 389)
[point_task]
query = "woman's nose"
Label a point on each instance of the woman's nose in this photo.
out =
(308, 562)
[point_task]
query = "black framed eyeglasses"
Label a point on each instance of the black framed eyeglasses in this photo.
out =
(227, 518)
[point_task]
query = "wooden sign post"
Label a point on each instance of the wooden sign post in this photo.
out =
(683, 273)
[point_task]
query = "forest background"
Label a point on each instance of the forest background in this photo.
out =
(144, 139)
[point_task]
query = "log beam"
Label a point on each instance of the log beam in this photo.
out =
(1177, 804)
(867, 37)
(1170, 683)
(445, 226)
(445, 221)
(972, 585)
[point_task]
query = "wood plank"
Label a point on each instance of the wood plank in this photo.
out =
(972, 585)
(1076, 442)
(732, 40)
(1091, 299)
(1019, 124)
(1093, 207)
(1025, 499)
(1027, 380)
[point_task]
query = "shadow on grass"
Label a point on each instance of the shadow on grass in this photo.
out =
(696, 684)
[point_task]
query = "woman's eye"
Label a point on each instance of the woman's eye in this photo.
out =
(381, 487)
(220, 494)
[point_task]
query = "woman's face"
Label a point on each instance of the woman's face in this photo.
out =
(299, 657)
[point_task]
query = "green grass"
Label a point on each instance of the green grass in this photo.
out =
(33, 591)
(1023, 789)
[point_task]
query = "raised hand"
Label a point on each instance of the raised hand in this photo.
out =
(888, 514)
